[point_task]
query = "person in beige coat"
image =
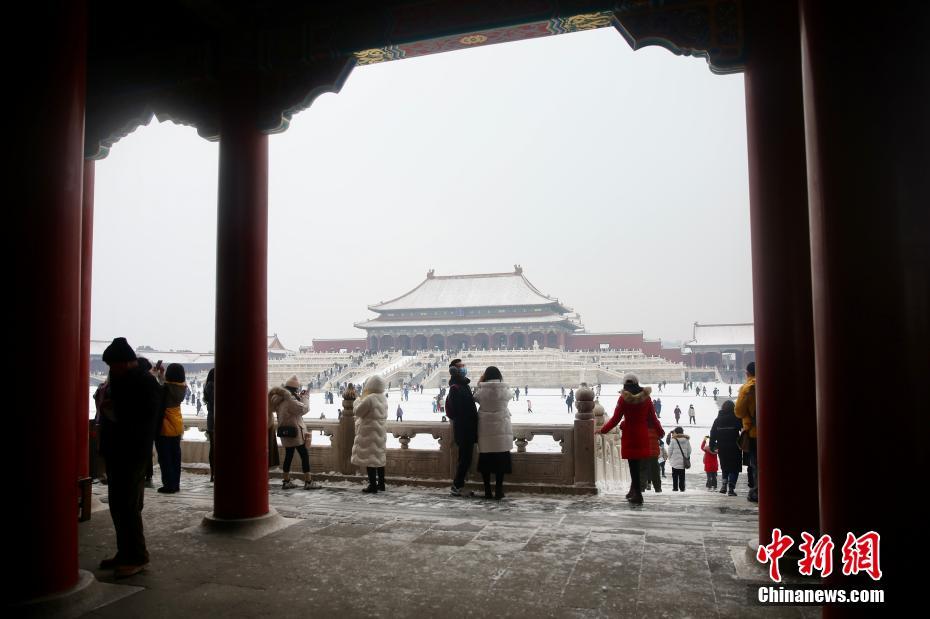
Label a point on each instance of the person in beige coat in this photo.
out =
(290, 408)
(495, 433)
(371, 433)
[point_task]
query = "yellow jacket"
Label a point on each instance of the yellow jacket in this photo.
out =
(173, 424)
(746, 406)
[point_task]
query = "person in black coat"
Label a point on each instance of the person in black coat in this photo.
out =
(127, 433)
(208, 387)
(461, 409)
(724, 440)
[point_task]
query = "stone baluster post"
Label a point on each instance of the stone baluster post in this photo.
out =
(584, 436)
(346, 436)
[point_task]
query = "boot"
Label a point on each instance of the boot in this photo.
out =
(630, 493)
(723, 488)
(636, 498)
(287, 484)
(381, 487)
(372, 482)
(309, 484)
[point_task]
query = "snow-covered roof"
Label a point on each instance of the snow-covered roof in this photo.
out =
(464, 322)
(98, 346)
(481, 290)
(275, 344)
(740, 334)
(176, 357)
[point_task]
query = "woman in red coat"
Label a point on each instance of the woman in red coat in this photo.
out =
(637, 443)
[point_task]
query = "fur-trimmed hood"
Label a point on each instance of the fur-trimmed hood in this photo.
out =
(277, 395)
(636, 398)
(684, 436)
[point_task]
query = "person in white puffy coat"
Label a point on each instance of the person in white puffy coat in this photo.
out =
(679, 448)
(495, 434)
(290, 406)
(371, 433)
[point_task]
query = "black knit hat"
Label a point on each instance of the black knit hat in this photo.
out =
(751, 368)
(119, 351)
(174, 373)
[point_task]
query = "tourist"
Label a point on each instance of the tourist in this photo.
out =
(663, 457)
(658, 406)
(460, 408)
(691, 418)
(369, 448)
(208, 389)
(526, 390)
(724, 440)
(570, 400)
(495, 435)
(677, 413)
(697, 391)
(635, 407)
(716, 392)
(710, 465)
(103, 406)
(290, 409)
(705, 391)
(649, 467)
(730, 390)
(126, 436)
(199, 407)
(146, 366)
(679, 455)
(168, 441)
(746, 411)
(529, 406)
(400, 413)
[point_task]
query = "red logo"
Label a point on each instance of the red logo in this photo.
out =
(774, 551)
(861, 555)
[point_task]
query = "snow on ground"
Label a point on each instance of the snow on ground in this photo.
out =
(548, 409)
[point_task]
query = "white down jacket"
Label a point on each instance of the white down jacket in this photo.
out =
(495, 433)
(371, 425)
(678, 449)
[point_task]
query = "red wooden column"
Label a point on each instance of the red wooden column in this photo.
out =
(241, 449)
(42, 524)
(87, 254)
(868, 168)
(781, 272)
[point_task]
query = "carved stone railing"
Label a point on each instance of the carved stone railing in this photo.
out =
(549, 471)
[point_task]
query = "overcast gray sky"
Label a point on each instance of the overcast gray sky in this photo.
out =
(618, 180)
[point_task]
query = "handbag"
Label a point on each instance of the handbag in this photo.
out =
(745, 441)
(287, 431)
(687, 459)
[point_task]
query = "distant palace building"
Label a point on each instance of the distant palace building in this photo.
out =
(494, 310)
(484, 311)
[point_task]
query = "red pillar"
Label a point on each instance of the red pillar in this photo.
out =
(781, 267)
(87, 253)
(46, 205)
(241, 452)
(867, 165)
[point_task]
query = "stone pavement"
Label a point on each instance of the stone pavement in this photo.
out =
(417, 552)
